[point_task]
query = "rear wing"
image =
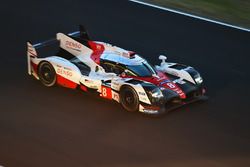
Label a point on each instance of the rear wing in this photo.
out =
(82, 33)
(32, 48)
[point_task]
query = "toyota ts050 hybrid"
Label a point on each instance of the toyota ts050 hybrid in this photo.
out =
(114, 73)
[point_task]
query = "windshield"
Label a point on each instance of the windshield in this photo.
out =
(143, 70)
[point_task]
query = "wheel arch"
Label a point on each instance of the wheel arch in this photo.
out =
(39, 64)
(40, 74)
(140, 91)
(129, 92)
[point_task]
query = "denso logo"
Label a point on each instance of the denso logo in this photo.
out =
(73, 45)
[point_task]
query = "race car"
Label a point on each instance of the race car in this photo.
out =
(113, 73)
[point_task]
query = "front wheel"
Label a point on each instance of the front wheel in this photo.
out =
(47, 74)
(129, 99)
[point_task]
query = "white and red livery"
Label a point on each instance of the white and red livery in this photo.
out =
(113, 73)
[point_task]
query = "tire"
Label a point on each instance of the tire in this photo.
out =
(129, 99)
(47, 74)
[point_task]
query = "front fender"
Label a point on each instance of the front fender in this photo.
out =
(118, 83)
(187, 73)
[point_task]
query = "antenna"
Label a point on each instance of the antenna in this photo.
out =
(83, 32)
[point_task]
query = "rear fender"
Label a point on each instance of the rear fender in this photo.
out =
(68, 75)
(65, 69)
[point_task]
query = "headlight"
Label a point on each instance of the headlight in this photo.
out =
(156, 93)
(198, 79)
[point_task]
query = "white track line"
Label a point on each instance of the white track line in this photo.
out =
(190, 15)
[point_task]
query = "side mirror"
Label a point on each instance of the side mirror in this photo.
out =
(96, 68)
(163, 59)
(124, 73)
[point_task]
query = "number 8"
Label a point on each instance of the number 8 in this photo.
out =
(171, 85)
(104, 92)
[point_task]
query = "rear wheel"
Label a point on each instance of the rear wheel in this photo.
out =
(47, 74)
(129, 99)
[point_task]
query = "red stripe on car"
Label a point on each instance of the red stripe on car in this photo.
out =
(33, 54)
(84, 88)
(34, 66)
(98, 49)
(65, 82)
(161, 80)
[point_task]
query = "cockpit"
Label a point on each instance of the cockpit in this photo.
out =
(143, 69)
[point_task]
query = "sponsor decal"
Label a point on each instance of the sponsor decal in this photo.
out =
(115, 96)
(93, 86)
(73, 45)
(150, 111)
(67, 68)
(64, 72)
(115, 83)
(143, 99)
(106, 92)
(89, 81)
(142, 93)
(115, 86)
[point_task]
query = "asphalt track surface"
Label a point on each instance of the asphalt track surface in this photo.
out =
(58, 127)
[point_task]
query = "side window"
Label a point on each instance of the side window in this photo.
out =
(108, 67)
(118, 70)
(129, 73)
(85, 70)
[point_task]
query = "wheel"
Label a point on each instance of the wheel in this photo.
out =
(47, 74)
(129, 99)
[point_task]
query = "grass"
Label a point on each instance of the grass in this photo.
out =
(236, 12)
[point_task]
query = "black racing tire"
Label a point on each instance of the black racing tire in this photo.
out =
(129, 99)
(47, 74)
